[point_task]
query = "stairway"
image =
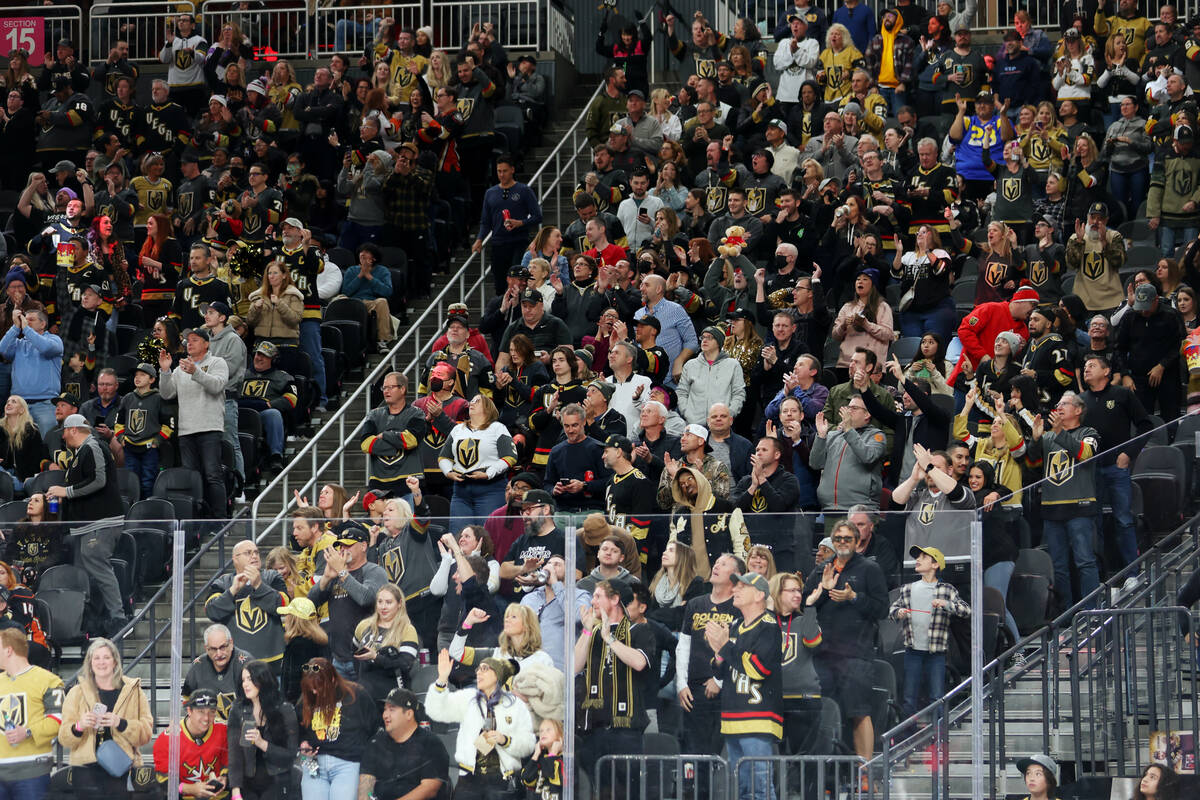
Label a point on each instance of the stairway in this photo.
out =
(353, 474)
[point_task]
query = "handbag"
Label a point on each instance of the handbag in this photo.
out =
(112, 759)
(907, 298)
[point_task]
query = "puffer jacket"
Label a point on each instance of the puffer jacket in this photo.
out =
(850, 462)
(276, 321)
(703, 384)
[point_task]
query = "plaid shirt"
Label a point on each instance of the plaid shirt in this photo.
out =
(939, 625)
(406, 199)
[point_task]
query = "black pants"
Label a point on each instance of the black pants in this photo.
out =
(1166, 394)
(609, 742)
(194, 99)
(487, 787)
(202, 452)
(503, 257)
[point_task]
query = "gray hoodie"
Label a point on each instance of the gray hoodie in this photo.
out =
(588, 584)
(229, 346)
(201, 395)
(1132, 156)
(366, 193)
(702, 384)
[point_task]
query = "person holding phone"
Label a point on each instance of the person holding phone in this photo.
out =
(265, 737)
(203, 754)
(637, 211)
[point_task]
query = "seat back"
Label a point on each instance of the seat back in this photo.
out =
(183, 489)
(1034, 562)
(1158, 460)
(153, 512)
(153, 548)
(64, 623)
(65, 576)
(127, 550)
(6, 489)
(12, 511)
(342, 257)
(39, 483)
(906, 348)
(1029, 601)
(354, 340)
(130, 485)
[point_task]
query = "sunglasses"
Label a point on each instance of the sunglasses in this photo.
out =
(310, 668)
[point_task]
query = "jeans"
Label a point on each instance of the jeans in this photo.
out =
(348, 28)
(144, 464)
(202, 452)
(1167, 238)
(354, 234)
(754, 780)
(1130, 188)
(1067, 539)
(347, 669)
(336, 780)
(942, 320)
(1114, 490)
(924, 679)
(272, 425)
(472, 501)
(895, 98)
(231, 436)
(26, 789)
(42, 412)
(997, 576)
(310, 342)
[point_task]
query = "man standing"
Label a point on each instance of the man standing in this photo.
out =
(545, 331)
(764, 496)
(201, 286)
(184, 52)
(630, 390)
(778, 356)
(1148, 341)
(732, 449)
(404, 760)
(575, 471)
(927, 492)
(1097, 254)
(637, 211)
(305, 264)
(218, 671)
(32, 700)
(1114, 411)
(225, 343)
(748, 657)
(91, 490)
(1174, 200)
(199, 384)
(510, 210)
(644, 131)
(407, 198)
(549, 601)
(852, 599)
(979, 329)
(250, 599)
(677, 335)
(349, 585)
(607, 107)
(392, 435)
(1068, 493)
(1046, 358)
(36, 357)
(628, 495)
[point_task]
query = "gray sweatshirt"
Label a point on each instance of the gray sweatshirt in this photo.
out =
(850, 462)
(366, 193)
(1132, 156)
(229, 346)
(201, 395)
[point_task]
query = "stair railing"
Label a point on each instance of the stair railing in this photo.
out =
(470, 285)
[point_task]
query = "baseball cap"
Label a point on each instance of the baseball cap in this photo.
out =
(402, 698)
(827, 543)
(1012, 36)
(1143, 297)
(1071, 33)
(650, 320)
(202, 332)
(202, 698)
(67, 397)
(603, 387)
(350, 532)
(76, 421)
(696, 429)
(268, 349)
(617, 128)
(370, 497)
(300, 608)
(294, 222)
(219, 306)
(622, 443)
(755, 580)
(1042, 760)
(1099, 209)
(64, 166)
(1184, 133)
(985, 93)
(932, 552)
(520, 273)
(637, 93)
(147, 368)
(778, 123)
(538, 497)
(532, 296)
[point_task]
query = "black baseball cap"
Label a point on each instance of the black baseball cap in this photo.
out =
(622, 443)
(538, 497)
(67, 397)
(402, 698)
(351, 532)
(650, 320)
(532, 296)
(219, 306)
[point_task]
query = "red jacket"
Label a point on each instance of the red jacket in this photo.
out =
(979, 329)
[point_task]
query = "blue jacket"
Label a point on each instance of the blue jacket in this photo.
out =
(36, 362)
(1018, 80)
(520, 202)
(379, 286)
(860, 21)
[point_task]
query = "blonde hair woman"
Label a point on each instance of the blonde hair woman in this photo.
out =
(21, 447)
(386, 645)
(760, 559)
(520, 639)
(283, 561)
(283, 90)
(476, 457)
(276, 306)
(660, 109)
(126, 720)
(539, 279)
(837, 62)
(438, 75)
(998, 270)
(1046, 142)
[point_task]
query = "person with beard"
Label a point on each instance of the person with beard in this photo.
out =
(695, 674)
(541, 540)
(304, 263)
(771, 489)
(1046, 359)
(804, 118)
(1097, 254)
(696, 454)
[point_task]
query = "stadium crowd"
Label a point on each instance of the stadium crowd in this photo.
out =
(887, 274)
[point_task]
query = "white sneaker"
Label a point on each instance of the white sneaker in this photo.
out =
(241, 498)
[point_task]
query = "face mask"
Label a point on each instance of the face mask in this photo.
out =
(237, 172)
(781, 262)
(293, 169)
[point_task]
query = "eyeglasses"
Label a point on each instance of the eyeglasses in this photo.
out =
(310, 668)
(842, 538)
(219, 648)
(391, 386)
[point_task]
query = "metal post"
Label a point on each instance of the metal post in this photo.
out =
(568, 776)
(176, 660)
(976, 659)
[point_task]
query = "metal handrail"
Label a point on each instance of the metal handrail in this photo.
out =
(457, 282)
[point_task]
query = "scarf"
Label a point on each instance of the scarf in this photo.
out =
(617, 695)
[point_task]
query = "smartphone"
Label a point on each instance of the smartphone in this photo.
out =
(99, 709)
(214, 785)
(360, 651)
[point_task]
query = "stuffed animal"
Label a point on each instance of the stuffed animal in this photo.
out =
(733, 243)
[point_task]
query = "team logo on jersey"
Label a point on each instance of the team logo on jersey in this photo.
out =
(224, 703)
(1110, 404)
(759, 504)
(137, 421)
(255, 389)
(1060, 467)
(1039, 150)
(1127, 35)
(995, 273)
(465, 106)
(791, 646)
(1093, 265)
(1038, 273)
(250, 618)
(107, 210)
(715, 199)
(706, 67)
(835, 75)
(184, 58)
(1182, 182)
(928, 512)
(756, 200)
(393, 562)
(1011, 189)
(467, 452)
(185, 204)
(156, 200)
(12, 710)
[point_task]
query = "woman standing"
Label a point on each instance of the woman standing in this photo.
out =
(760, 559)
(925, 276)
(1087, 181)
(796, 616)
(1000, 270)
(837, 62)
(671, 191)
(674, 584)
(275, 307)
(474, 540)
(386, 645)
(105, 705)
(337, 719)
(1045, 143)
(304, 641)
(34, 207)
(744, 345)
(517, 386)
(262, 735)
(477, 456)
(159, 262)
(520, 639)
(660, 109)
(562, 390)
(865, 321)
(486, 715)
(1127, 150)
(1120, 79)
(107, 252)
(1170, 276)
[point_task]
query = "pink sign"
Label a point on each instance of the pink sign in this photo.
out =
(24, 33)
